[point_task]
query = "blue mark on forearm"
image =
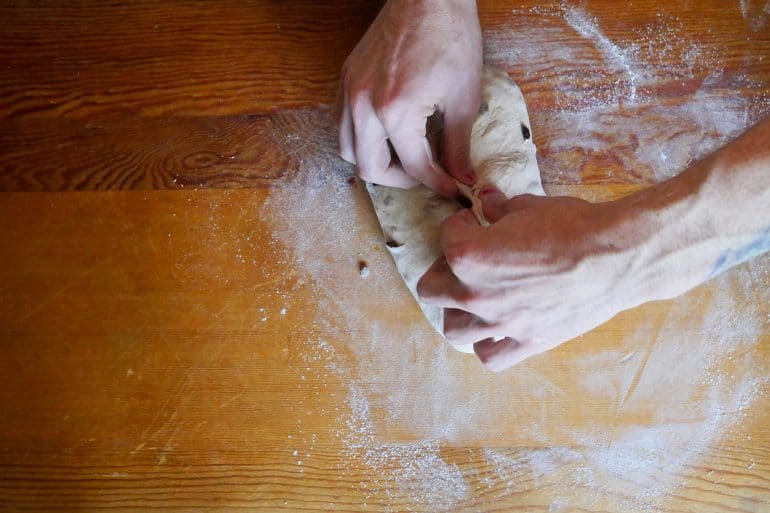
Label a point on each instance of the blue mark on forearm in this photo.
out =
(733, 257)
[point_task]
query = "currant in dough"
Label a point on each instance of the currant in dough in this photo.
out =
(502, 154)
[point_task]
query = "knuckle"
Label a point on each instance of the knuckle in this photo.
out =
(455, 334)
(423, 288)
(456, 255)
(486, 358)
(461, 259)
(461, 327)
(390, 113)
(468, 299)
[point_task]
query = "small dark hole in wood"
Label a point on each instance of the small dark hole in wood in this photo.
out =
(525, 131)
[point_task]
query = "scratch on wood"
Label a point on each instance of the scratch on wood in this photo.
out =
(639, 372)
(161, 461)
(59, 292)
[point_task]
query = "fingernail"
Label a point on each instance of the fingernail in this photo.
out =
(470, 178)
(487, 190)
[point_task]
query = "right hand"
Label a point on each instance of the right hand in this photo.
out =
(547, 270)
(417, 56)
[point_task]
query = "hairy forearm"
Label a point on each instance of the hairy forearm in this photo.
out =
(711, 217)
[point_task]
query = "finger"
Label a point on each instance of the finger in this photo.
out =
(458, 122)
(495, 205)
(463, 328)
(460, 237)
(502, 354)
(393, 176)
(440, 287)
(492, 203)
(372, 153)
(370, 144)
(458, 228)
(345, 126)
(414, 152)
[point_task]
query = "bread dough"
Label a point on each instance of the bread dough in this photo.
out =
(502, 154)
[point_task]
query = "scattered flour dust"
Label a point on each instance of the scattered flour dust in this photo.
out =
(656, 103)
(690, 378)
(756, 13)
(328, 227)
(403, 380)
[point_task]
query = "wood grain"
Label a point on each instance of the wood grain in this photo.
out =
(138, 374)
(126, 93)
(164, 153)
(147, 58)
(160, 335)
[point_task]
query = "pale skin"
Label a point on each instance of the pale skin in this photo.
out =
(418, 56)
(549, 269)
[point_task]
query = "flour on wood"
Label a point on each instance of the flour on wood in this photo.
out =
(502, 154)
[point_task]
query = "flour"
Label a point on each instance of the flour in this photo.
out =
(668, 101)
(587, 26)
(328, 227)
(688, 414)
(755, 14)
(689, 379)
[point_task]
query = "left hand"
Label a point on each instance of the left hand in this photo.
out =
(418, 56)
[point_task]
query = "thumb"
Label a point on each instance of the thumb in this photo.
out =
(496, 205)
(456, 144)
(492, 203)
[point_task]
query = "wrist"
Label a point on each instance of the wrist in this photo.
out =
(664, 240)
(432, 7)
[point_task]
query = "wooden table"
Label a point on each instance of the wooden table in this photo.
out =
(186, 319)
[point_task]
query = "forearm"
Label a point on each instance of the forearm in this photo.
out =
(697, 225)
(459, 9)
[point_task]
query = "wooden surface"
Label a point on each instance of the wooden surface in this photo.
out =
(170, 342)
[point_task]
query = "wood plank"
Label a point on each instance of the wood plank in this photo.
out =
(235, 58)
(165, 153)
(229, 58)
(139, 373)
(701, 75)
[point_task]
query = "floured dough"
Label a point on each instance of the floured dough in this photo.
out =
(502, 154)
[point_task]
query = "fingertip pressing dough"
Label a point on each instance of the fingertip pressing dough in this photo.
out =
(502, 154)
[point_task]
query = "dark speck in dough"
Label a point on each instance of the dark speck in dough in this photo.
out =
(484, 108)
(393, 244)
(525, 131)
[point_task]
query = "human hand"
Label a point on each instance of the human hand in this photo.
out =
(417, 56)
(545, 271)
(549, 269)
